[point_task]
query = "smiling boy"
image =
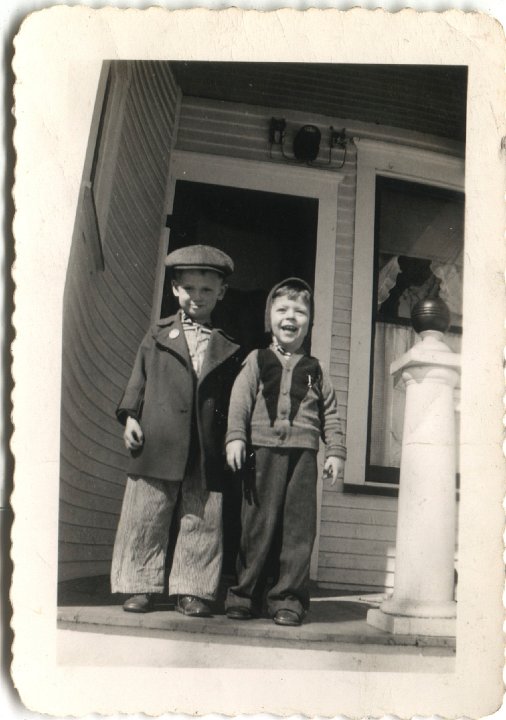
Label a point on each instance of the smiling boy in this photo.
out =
(282, 403)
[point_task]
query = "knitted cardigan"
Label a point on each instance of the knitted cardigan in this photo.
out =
(285, 402)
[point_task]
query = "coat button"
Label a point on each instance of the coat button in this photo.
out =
(183, 410)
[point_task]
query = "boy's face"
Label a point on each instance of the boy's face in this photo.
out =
(198, 291)
(290, 321)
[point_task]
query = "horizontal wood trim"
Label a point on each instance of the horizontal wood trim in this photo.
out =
(362, 532)
(358, 588)
(361, 578)
(360, 502)
(353, 516)
(357, 546)
(343, 561)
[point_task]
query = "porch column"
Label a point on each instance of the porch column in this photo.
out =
(423, 598)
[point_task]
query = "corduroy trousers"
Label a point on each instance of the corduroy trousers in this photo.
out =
(140, 548)
(278, 521)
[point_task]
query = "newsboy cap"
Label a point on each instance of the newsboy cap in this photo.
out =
(200, 257)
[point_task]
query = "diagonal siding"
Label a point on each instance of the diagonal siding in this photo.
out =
(106, 314)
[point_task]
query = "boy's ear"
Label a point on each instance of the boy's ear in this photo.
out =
(223, 290)
(175, 288)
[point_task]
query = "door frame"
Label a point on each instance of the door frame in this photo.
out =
(284, 179)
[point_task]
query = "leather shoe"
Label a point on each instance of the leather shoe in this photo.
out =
(139, 603)
(238, 612)
(287, 617)
(192, 606)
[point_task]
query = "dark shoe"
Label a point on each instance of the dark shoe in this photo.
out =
(192, 606)
(287, 617)
(139, 603)
(238, 612)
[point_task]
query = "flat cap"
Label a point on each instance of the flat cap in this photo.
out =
(200, 257)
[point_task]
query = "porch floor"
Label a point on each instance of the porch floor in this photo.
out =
(335, 635)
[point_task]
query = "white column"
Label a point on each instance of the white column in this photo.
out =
(423, 596)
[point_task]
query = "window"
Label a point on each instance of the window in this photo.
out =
(397, 258)
(419, 233)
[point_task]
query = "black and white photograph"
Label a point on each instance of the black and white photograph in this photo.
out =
(269, 316)
(257, 176)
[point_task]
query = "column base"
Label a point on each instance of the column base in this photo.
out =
(419, 608)
(402, 625)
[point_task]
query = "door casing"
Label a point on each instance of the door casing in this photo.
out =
(284, 179)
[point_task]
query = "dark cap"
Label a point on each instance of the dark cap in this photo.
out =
(200, 257)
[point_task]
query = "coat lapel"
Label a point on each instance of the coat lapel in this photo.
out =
(169, 334)
(220, 348)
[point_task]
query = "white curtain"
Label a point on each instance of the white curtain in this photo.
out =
(388, 401)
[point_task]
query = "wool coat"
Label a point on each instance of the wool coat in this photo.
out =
(178, 413)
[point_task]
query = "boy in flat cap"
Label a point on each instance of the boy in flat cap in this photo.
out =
(174, 410)
(282, 403)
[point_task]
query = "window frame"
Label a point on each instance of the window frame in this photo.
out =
(404, 163)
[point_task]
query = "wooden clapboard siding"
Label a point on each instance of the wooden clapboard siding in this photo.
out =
(104, 487)
(239, 130)
(357, 542)
(108, 311)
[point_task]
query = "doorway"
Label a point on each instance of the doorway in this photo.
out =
(275, 221)
(268, 235)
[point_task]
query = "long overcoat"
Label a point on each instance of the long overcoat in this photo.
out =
(179, 413)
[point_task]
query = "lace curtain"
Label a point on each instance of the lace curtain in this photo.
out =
(419, 235)
(450, 287)
(388, 400)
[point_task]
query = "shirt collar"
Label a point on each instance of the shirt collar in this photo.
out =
(189, 322)
(277, 348)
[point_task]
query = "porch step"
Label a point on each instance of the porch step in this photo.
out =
(335, 616)
(330, 621)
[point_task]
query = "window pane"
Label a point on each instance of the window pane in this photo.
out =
(419, 244)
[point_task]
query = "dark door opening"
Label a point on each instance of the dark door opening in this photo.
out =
(270, 236)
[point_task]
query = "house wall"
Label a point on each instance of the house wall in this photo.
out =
(106, 312)
(357, 539)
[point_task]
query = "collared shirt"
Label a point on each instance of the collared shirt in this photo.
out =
(277, 348)
(197, 338)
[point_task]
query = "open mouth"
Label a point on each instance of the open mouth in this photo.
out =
(289, 328)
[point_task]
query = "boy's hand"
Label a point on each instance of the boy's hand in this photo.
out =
(236, 454)
(133, 435)
(333, 469)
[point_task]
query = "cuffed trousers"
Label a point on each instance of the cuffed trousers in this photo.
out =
(140, 548)
(278, 513)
